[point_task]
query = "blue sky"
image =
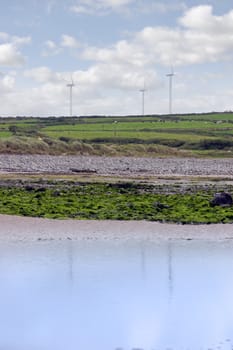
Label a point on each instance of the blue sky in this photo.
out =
(110, 47)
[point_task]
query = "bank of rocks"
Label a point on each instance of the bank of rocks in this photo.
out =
(116, 166)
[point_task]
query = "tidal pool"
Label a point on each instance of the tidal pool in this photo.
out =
(66, 295)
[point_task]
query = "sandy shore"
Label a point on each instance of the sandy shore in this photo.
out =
(14, 228)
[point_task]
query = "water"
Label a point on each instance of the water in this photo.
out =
(112, 295)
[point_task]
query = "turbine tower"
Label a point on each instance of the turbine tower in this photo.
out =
(143, 90)
(170, 76)
(70, 86)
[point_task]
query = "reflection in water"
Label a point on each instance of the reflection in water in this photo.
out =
(143, 262)
(70, 260)
(170, 271)
(123, 296)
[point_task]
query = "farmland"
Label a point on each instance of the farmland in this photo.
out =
(156, 135)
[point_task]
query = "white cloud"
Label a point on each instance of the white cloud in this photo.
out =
(69, 41)
(50, 44)
(201, 37)
(99, 6)
(103, 7)
(161, 7)
(7, 83)
(119, 77)
(123, 52)
(201, 18)
(43, 75)
(18, 41)
(10, 55)
(115, 3)
(51, 49)
(4, 36)
(45, 100)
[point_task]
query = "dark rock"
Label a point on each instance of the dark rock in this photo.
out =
(222, 199)
(88, 171)
(41, 189)
(29, 188)
(160, 206)
(56, 193)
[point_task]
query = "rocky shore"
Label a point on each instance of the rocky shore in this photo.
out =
(154, 181)
(116, 166)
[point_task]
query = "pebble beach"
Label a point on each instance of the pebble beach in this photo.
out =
(116, 166)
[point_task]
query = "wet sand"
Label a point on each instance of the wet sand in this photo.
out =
(14, 229)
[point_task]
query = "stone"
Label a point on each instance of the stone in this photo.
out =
(222, 199)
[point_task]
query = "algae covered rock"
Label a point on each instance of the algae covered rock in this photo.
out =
(222, 199)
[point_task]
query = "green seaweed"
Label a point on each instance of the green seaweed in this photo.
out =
(101, 201)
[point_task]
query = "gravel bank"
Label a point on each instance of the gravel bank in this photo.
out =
(123, 166)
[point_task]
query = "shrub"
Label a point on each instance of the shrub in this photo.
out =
(215, 144)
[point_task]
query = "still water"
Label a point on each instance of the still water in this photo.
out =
(116, 295)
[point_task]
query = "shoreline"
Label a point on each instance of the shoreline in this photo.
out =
(168, 176)
(30, 229)
(116, 166)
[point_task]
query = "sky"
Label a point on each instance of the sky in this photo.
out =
(112, 49)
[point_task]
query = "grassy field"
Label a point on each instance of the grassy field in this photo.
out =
(196, 134)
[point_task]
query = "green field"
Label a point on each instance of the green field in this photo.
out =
(196, 134)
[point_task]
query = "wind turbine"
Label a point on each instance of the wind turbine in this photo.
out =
(170, 76)
(70, 86)
(143, 90)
